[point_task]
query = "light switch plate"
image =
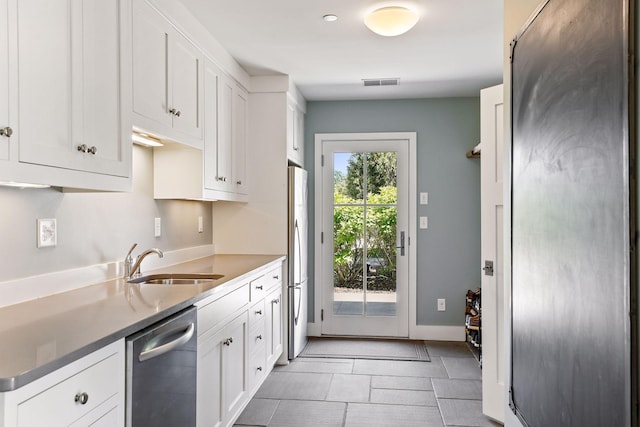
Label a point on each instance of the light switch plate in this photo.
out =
(424, 222)
(47, 232)
(157, 227)
(442, 304)
(424, 198)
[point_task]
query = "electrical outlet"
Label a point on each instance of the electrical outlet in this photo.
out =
(442, 304)
(424, 222)
(424, 198)
(200, 225)
(47, 233)
(157, 227)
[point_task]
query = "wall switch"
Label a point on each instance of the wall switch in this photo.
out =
(157, 227)
(200, 225)
(424, 198)
(442, 304)
(424, 222)
(46, 233)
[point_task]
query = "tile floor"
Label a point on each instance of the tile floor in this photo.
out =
(313, 392)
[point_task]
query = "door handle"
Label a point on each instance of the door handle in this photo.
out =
(401, 247)
(165, 348)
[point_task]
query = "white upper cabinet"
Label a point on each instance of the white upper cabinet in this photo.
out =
(167, 78)
(69, 104)
(240, 117)
(295, 132)
(5, 125)
(217, 171)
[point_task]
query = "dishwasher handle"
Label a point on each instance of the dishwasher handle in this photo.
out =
(165, 348)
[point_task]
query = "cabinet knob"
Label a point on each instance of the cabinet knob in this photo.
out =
(82, 398)
(92, 150)
(296, 148)
(259, 337)
(239, 182)
(276, 277)
(228, 341)
(6, 131)
(259, 368)
(175, 112)
(259, 312)
(276, 301)
(82, 148)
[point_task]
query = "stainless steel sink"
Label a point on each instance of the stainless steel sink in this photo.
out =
(177, 279)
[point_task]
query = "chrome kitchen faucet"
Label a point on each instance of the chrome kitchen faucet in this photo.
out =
(131, 268)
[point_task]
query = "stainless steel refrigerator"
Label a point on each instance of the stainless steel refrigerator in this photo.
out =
(297, 282)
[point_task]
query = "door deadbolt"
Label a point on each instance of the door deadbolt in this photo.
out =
(488, 268)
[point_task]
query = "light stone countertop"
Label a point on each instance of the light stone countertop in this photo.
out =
(42, 335)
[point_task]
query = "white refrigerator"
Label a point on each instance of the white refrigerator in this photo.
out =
(297, 256)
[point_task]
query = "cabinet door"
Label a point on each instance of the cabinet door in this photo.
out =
(212, 80)
(209, 383)
(234, 367)
(225, 132)
(222, 378)
(4, 78)
(69, 57)
(273, 304)
(150, 50)
(239, 119)
(291, 113)
(298, 136)
(185, 98)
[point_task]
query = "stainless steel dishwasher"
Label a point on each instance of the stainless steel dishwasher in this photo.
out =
(161, 373)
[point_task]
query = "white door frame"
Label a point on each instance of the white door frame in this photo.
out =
(315, 329)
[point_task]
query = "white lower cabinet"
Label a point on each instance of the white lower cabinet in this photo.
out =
(222, 378)
(239, 340)
(87, 392)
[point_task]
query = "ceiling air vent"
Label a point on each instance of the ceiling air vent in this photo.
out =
(381, 82)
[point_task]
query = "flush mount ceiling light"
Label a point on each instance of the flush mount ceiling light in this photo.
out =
(391, 20)
(330, 17)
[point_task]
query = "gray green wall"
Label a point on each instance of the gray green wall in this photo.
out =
(449, 250)
(94, 228)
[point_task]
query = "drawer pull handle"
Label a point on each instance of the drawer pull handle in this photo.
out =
(276, 301)
(259, 337)
(259, 312)
(82, 398)
(276, 277)
(6, 131)
(259, 287)
(259, 368)
(228, 341)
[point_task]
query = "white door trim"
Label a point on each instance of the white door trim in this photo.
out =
(315, 328)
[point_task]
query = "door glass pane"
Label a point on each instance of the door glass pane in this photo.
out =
(364, 234)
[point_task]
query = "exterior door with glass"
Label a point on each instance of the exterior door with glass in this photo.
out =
(365, 237)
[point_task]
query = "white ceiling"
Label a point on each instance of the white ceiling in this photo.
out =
(454, 50)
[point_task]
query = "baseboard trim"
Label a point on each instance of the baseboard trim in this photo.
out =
(437, 333)
(33, 287)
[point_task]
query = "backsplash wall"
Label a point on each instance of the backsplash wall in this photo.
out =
(94, 228)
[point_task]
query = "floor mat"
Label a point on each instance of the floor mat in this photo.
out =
(361, 348)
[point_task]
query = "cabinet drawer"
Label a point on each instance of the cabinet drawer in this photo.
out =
(261, 285)
(211, 315)
(257, 337)
(256, 313)
(257, 367)
(63, 401)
